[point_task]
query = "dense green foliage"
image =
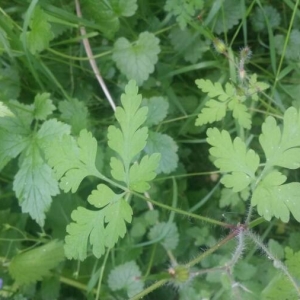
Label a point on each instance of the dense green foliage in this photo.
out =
(149, 149)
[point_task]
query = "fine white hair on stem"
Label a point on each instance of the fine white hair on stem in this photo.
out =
(277, 263)
(92, 61)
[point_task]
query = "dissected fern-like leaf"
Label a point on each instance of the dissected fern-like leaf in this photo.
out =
(104, 227)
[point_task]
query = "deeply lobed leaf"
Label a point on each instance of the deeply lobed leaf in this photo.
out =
(73, 160)
(282, 147)
(232, 156)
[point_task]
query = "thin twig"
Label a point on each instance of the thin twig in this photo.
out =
(92, 61)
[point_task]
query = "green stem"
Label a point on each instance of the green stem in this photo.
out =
(211, 250)
(101, 275)
(287, 37)
(150, 289)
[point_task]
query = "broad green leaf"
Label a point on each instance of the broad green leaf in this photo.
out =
(32, 265)
(35, 184)
(129, 139)
(166, 146)
(142, 172)
(51, 133)
(228, 16)
(137, 60)
(157, 110)
(73, 160)
(282, 146)
(107, 13)
(273, 198)
(11, 146)
(128, 277)
(21, 122)
(184, 11)
(75, 113)
(214, 111)
(166, 234)
(40, 35)
(43, 106)
(232, 156)
(88, 227)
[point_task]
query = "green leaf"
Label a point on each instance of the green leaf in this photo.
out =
(43, 106)
(141, 173)
(32, 265)
(292, 50)
(188, 43)
(103, 196)
(126, 276)
(166, 146)
(75, 113)
(115, 215)
(35, 184)
(261, 14)
(137, 60)
(273, 198)
(229, 198)
(11, 146)
(184, 11)
(107, 13)
(157, 110)
(214, 90)
(51, 133)
(240, 112)
(73, 160)
(214, 111)
(166, 233)
(9, 83)
(40, 35)
(228, 98)
(232, 156)
(255, 87)
(129, 139)
(5, 111)
(90, 225)
(282, 147)
(228, 16)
